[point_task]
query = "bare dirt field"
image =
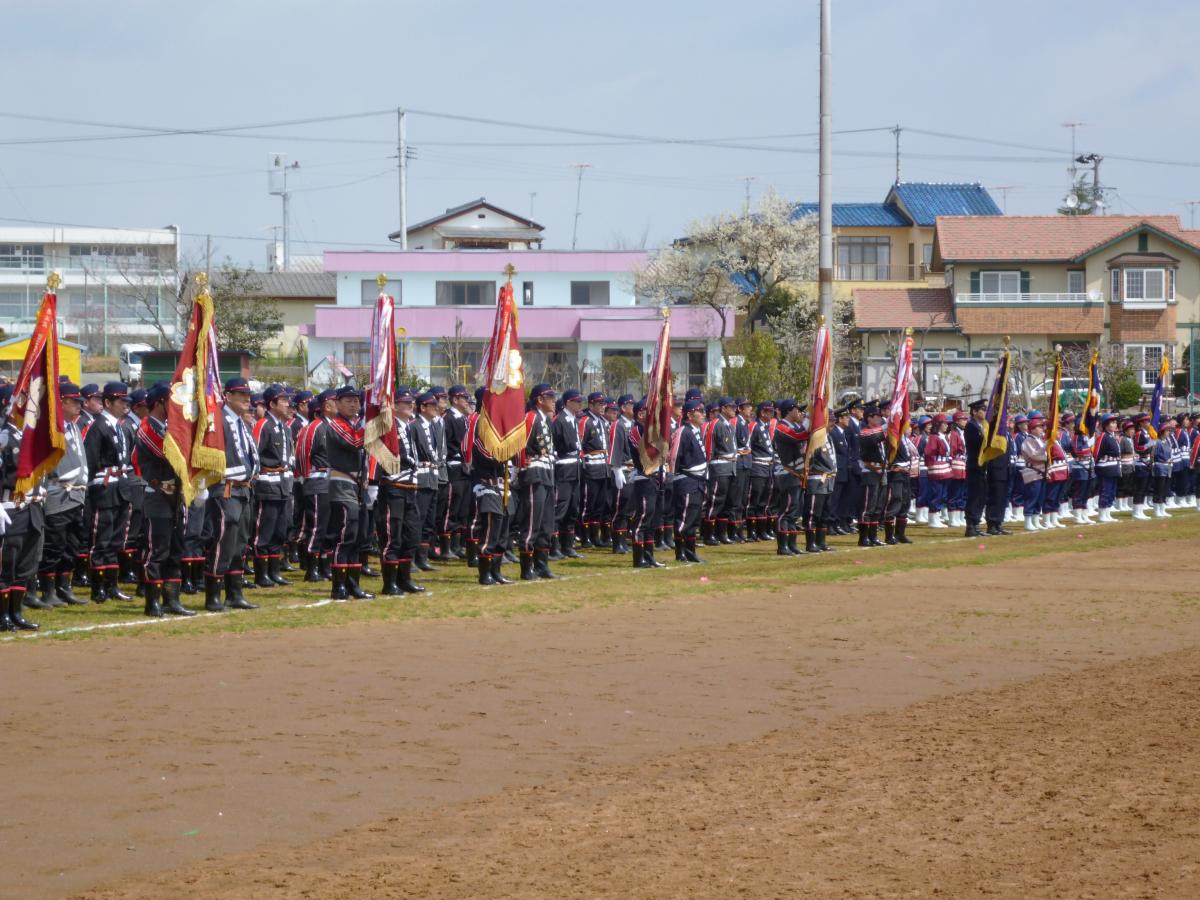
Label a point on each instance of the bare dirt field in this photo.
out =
(1012, 729)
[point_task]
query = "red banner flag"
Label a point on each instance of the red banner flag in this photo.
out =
(35, 410)
(898, 409)
(501, 425)
(822, 389)
(379, 434)
(195, 440)
(656, 444)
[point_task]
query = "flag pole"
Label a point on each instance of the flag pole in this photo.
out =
(509, 271)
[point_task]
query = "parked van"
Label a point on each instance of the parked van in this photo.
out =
(129, 362)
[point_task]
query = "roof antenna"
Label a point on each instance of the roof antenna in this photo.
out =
(896, 131)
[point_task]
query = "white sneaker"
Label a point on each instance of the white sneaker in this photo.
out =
(1139, 511)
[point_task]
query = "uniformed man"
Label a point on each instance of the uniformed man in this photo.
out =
(790, 438)
(762, 467)
(426, 439)
(344, 450)
(977, 478)
(458, 491)
(312, 472)
(229, 509)
(108, 448)
(162, 550)
(536, 485)
(837, 516)
(644, 500)
(65, 490)
(273, 489)
(133, 496)
(491, 516)
(620, 466)
(873, 474)
(721, 446)
(597, 480)
(440, 537)
(22, 520)
(739, 487)
(567, 475)
(1108, 465)
(398, 516)
(820, 477)
(690, 466)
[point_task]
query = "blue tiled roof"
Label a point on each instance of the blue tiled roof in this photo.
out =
(857, 215)
(926, 201)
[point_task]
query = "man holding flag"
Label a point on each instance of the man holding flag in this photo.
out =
(987, 467)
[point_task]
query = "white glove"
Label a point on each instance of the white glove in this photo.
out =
(619, 478)
(202, 496)
(372, 495)
(4, 520)
(3, 438)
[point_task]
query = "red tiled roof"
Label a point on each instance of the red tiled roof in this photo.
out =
(895, 308)
(1048, 238)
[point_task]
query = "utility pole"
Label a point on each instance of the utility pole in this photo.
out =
(1191, 205)
(208, 257)
(402, 153)
(1004, 189)
(532, 196)
(896, 131)
(825, 176)
(747, 179)
(578, 195)
(1071, 170)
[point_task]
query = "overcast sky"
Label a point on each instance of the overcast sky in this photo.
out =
(1011, 71)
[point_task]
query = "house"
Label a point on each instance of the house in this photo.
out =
(296, 296)
(477, 225)
(892, 241)
(1132, 281)
(580, 324)
(117, 283)
(12, 357)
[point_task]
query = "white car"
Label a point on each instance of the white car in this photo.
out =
(129, 362)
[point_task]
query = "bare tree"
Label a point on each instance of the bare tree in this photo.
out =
(455, 349)
(162, 295)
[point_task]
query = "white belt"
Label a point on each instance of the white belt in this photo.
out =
(270, 477)
(235, 472)
(727, 457)
(567, 461)
(700, 469)
(764, 459)
(539, 464)
(320, 473)
(67, 476)
(454, 462)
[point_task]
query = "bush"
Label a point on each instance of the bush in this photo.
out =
(1124, 392)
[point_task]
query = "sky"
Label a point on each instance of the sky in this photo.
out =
(741, 73)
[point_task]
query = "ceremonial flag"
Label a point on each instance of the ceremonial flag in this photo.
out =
(1055, 410)
(379, 434)
(822, 390)
(995, 429)
(898, 410)
(195, 440)
(657, 441)
(35, 410)
(501, 425)
(1160, 390)
(1091, 409)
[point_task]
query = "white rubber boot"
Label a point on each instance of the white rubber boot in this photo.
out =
(1064, 508)
(1105, 517)
(1055, 521)
(923, 515)
(1160, 511)
(935, 520)
(1139, 511)
(1029, 526)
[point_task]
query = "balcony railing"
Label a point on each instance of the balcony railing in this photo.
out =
(1018, 298)
(880, 272)
(42, 265)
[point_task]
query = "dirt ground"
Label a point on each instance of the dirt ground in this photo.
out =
(1017, 730)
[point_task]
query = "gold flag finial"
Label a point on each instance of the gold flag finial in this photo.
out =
(908, 332)
(1007, 341)
(509, 271)
(1058, 348)
(664, 311)
(53, 280)
(201, 282)
(821, 320)
(381, 279)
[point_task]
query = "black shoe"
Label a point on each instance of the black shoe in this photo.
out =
(233, 593)
(541, 564)
(62, 586)
(212, 594)
(152, 608)
(998, 530)
(497, 574)
(261, 578)
(170, 600)
(404, 579)
(352, 588)
(15, 596)
(111, 588)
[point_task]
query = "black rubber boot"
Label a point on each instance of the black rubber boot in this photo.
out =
(541, 564)
(233, 593)
(725, 532)
(364, 566)
(6, 624)
(16, 596)
(637, 555)
(648, 560)
(792, 538)
(110, 586)
(690, 552)
(99, 594)
(873, 533)
(422, 559)
(568, 546)
(212, 594)
(274, 565)
(337, 590)
(389, 570)
(555, 553)
(153, 591)
(248, 566)
(527, 573)
(352, 586)
(497, 571)
(864, 539)
(444, 551)
(404, 579)
(312, 572)
(261, 579)
(585, 537)
(680, 549)
(669, 537)
(293, 556)
(889, 533)
(781, 547)
(810, 541)
(327, 567)
(186, 584)
(485, 571)
(170, 600)
(34, 601)
(473, 556)
(823, 541)
(125, 568)
(80, 577)
(62, 586)
(901, 528)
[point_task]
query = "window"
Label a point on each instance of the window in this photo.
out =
(356, 355)
(548, 362)
(927, 256)
(1145, 360)
(370, 290)
(1171, 285)
(527, 293)
(999, 282)
(589, 293)
(938, 354)
(1145, 285)
(864, 258)
(465, 293)
(1116, 286)
(1075, 281)
(455, 362)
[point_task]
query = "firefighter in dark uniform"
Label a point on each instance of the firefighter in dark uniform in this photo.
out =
(722, 454)
(91, 405)
(762, 468)
(535, 502)
(820, 477)
(441, 447)
(297, 421)
(593, 441)
(312, 472)
(273, 489)
(397, 515)
(567, 475)
(229, 509)
(836, 504)
(133, 492)
(643, 509)
(344, 450)
(162, 551)
(620, 467)
(66, 491)
(107, 447)
(977, 477)
(790, 439)
(902, 474)
(23, 520)
(426, 440)
(872, 443)
(458, 493)
(739, 488)
(491, 517)
(690, 468)
(850, 504)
